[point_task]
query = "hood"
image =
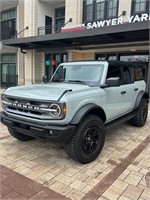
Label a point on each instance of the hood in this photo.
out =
(50, 91)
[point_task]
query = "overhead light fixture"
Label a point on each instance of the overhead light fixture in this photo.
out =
(133, 50)
(23, 51)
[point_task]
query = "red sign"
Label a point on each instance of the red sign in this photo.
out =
(73, 29)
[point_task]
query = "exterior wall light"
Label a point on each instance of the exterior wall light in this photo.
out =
(124, 12)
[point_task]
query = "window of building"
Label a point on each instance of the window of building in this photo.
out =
(8, 24)
(88, 6)
(8, 58)
(7, 15)
(134, 58)
(8, 70)
(112, 8)
(59, 18)
(100, 57)
(112, 57)
(140, 6)
(99, 10)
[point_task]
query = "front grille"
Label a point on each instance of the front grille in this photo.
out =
(26, 107)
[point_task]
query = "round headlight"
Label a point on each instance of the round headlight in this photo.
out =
(55, 110)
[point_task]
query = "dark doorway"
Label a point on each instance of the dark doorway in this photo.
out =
(48, 25)
(52, 61)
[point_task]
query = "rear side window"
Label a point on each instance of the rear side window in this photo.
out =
(127, 75)
(139, 74)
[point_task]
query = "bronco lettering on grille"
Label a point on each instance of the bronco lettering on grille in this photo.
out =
(19, 105)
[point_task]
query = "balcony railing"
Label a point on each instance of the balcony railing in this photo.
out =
(50, 29)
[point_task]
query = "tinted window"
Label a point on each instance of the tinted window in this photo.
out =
(114, 72)
(59, 18)
(127, 75)
(139, 74)
(99, 9)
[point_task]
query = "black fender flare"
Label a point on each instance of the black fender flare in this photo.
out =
(88, 108)
(141, 95)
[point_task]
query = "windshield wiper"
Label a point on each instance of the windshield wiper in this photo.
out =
(58, 80)
(75, 81)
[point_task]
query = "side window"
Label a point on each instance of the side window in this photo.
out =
(139, 74)
(127, 75)
(114, 72)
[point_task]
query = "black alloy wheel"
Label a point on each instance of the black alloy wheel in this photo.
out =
(141, 114)
(88, 140)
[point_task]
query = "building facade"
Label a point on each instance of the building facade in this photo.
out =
(37, 35)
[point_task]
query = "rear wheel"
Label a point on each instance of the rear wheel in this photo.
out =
(141, 114)
(88, 140)
(19, 136)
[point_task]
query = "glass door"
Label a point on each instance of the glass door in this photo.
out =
(52, 61)
(12, 77)
(8, 75)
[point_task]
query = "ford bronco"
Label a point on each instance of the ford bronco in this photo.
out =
(80, 101)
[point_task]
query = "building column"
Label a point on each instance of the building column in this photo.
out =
(74, 9)
(30, 20)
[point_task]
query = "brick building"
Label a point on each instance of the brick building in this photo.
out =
(37, 35)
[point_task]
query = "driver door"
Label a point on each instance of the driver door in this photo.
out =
(116, 104)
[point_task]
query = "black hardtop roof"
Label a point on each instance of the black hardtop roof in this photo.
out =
(116, 63)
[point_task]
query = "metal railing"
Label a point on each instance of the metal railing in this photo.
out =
(51, 29)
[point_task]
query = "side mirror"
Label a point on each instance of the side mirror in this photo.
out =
(113, 82)
(45, 79)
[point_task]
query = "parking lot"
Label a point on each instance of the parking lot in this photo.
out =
(42, 170)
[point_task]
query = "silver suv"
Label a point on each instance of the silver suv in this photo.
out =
(80, 101)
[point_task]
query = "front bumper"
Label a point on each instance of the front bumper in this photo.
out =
(60, 134)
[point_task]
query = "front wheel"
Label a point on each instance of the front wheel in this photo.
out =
(88, 140)
(19, 136)
(141, 114)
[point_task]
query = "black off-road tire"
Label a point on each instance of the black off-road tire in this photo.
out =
(141, 114)
(88, 140)
(19, 136)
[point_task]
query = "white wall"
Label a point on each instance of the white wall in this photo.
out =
(47, 9)
(44, 9)
(74, 10)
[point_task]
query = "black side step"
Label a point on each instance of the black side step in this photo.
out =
(119, 121)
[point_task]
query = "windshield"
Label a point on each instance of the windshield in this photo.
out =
(86, 74)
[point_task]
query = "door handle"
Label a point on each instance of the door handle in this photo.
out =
(123, 92)
(136, 89)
